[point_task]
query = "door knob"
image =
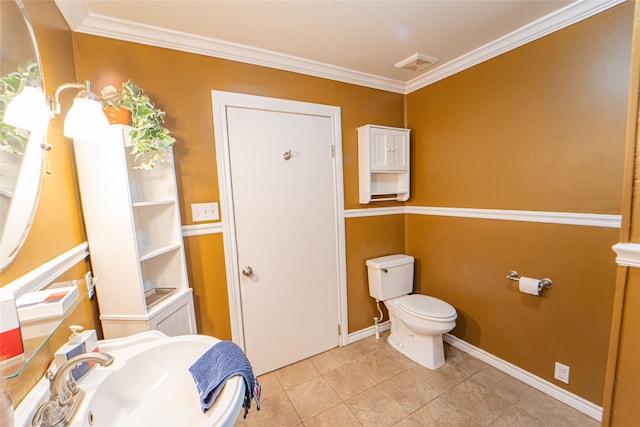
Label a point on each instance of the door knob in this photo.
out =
(247, 271)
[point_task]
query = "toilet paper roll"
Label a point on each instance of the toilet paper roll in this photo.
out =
(530, 286)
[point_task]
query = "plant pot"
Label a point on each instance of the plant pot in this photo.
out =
(117, 116)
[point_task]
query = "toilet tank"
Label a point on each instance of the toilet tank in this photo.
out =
(390, 276)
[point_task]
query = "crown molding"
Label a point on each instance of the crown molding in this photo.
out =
(77, 15)
(544, 26)
(82, 21)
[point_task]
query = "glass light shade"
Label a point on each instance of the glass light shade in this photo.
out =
(86, 121)
(28, 110)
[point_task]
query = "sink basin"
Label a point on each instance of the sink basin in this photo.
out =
(149, 385)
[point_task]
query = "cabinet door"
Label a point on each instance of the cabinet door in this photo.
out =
(389, 150)
(378, 148)
(398, 150)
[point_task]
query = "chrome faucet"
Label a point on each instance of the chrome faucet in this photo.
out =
(64, 394)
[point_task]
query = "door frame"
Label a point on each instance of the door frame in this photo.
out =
(221, 101)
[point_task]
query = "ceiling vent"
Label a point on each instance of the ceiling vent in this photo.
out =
(417, 62)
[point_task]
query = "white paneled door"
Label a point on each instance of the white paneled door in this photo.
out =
(286, 233)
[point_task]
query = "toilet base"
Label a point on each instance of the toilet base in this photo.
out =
(427, 350)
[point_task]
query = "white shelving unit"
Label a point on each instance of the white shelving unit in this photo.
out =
(134, 232)
(383, 161)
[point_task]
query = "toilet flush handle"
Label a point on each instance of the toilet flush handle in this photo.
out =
(247, 271)
(384, 270)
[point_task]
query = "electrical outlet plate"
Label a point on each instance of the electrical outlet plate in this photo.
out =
(562, 373)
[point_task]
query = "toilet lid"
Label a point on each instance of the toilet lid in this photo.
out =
(424, 305)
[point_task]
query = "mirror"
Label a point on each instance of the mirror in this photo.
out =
(21, 151)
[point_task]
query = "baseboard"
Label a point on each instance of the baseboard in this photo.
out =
(576, 402)
(368, 332)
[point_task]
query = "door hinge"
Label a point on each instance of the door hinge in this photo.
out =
(339, 330)
(333, 150)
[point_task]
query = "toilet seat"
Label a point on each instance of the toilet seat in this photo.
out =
(427, 307)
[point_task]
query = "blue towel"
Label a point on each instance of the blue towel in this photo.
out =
(212, 370)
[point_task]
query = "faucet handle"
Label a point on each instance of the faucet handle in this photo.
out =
(46, 413)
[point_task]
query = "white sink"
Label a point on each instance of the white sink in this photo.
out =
(149, 384)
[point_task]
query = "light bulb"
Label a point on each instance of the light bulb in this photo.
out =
(86, 121)
(28, 110)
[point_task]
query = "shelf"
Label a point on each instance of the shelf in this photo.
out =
(153, 203)
(8, 193)
(132, 218)
(156, 227)
(33, 346)
(157, 295)
(158, 251)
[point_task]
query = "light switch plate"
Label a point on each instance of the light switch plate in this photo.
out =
(205, 211)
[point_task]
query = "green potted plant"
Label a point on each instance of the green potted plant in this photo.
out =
(148, 134)
(12, 139)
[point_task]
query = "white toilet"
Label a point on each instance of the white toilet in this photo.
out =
(417, 321)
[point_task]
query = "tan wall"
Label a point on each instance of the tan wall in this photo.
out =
(181, 84)
(539, 128)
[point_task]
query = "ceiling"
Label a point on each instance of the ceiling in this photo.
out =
(353, 41)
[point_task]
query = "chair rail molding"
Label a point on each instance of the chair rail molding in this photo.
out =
(566, 218)
(628, 254)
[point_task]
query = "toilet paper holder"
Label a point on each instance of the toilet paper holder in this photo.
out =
(544, 283)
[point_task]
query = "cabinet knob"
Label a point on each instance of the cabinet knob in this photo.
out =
(247, 271)
(286, 155)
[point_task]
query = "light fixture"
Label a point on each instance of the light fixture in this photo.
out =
(28, 110)
(85, 119)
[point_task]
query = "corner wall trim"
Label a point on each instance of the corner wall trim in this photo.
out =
(201, 229)
(576, 402)
(47, 272)
(628, 254)
(566, 218)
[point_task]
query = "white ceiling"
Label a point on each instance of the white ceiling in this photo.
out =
(353, 41)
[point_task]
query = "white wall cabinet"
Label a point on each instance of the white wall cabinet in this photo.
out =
(133, 225)
(383, 161)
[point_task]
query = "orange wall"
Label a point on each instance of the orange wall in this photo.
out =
(369, 237)
(58, 225)
(181, 83)
(623, 380)
(540, 128)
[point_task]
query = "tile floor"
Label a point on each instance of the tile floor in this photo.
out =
(368, 383)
